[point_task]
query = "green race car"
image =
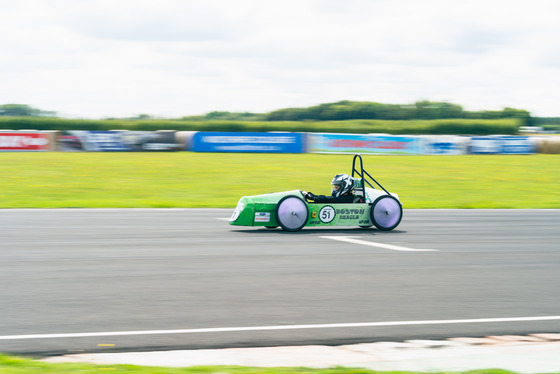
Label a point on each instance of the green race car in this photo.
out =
(291, 211)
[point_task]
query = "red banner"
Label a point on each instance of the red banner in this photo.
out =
(25, 141)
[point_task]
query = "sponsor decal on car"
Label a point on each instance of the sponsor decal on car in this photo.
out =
(350, 213)
(262, 217)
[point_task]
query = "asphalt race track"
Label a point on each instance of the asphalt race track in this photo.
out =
(154, 279)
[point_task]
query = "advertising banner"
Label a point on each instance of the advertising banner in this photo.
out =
(444, 145)
(372, 144)
(501, 145)
(150, 140)
(25, 141)
(117, 141)
(253, 142)
(517, 145)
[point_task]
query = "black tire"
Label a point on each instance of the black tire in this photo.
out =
(386, 213)
(291, 213)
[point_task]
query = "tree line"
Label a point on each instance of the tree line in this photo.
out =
(421, 110)
(356, 110)
(338, 111)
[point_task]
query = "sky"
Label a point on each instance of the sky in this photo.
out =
(174, 58)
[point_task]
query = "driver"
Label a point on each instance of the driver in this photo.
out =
(342, 191)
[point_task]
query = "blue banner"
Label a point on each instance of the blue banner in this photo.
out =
(501, 145)
(252, 142)
(517, 145)
(444, 145)
(373, 144)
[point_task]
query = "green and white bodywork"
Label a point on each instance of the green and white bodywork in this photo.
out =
(291, 211)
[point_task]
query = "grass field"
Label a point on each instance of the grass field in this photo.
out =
(186, 179)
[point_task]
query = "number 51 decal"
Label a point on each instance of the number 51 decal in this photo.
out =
(327, 214)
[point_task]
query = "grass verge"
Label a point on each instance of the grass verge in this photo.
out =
(216, 180)
(17, 365)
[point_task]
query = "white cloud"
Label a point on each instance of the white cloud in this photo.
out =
(97, 58)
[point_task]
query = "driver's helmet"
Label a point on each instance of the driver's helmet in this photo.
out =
(344, 182)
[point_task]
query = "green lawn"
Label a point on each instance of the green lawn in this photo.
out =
(186, 179)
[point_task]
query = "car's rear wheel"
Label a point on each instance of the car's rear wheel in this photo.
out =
(292, 213)
(386, 213)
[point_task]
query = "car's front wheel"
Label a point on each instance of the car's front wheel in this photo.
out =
(291, 213)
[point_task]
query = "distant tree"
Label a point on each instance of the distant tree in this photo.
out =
(143, 116)
(437, 110)
(521, 114)
(233, 116)
(22, 110)
(216, 115)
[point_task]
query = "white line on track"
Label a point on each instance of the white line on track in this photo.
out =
(223, 219)
(282, 327)
(353, 240)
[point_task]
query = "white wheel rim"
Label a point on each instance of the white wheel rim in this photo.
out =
(387, 212)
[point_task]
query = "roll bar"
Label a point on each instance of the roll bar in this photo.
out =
(362, 174)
